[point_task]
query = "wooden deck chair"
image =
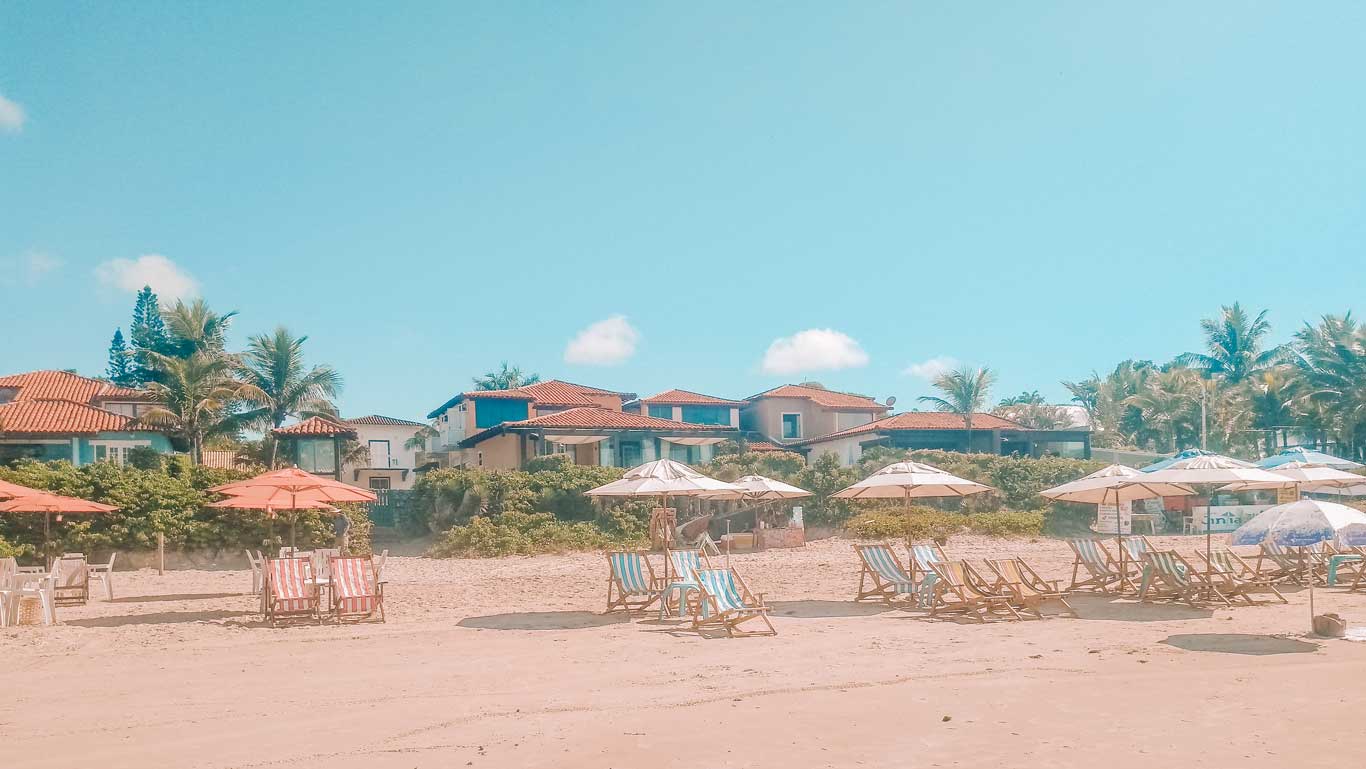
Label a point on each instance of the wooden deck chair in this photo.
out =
(355, 592)
(288, 594)
(73, 580)
(959, 589)
(881, 576)
(631, 581)
(1135, 546)
(727, 603)
(1030, 590)
(1092, 560)
(923, 556)
(1348, 572)
(1172, 577)
(1280, 564)
(1242, 578)
(684, 563)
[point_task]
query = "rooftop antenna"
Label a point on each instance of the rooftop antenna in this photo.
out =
(891, 401)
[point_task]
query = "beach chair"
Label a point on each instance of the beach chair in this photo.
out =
(1135, 547)
(631, 581)
(1279, 564)
(380, 560)
(881, 576)
(959, 589)
(1029, 589)
(681, 582)
(1093, 561)
(354, 590)
(8, 569)
(923, 556)
(104, 573)
(40, 586)
(727, 603)
(1169, 576)
(1242, 579)
(257, 562)
(72, 575)
(289, 592)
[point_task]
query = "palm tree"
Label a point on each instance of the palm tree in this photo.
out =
(965, 393)
(507, 378)
(195, 328)
(1271, 398)
(1331, 359)
(273, 365)
(419, 440)
(1235, 343)
(1167, 401)
(197, 394)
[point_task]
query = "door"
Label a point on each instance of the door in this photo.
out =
(379, 453)
(630, 454)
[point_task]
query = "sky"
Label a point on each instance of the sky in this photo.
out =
(713, 196)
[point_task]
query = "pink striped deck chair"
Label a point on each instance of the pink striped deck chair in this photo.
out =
(356, 594)
(288, 594)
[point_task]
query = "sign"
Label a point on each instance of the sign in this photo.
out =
(1286, 496)
(1225, 517)
(1106, 515)
(796, 516)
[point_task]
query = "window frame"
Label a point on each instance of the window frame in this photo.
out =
(782, 422)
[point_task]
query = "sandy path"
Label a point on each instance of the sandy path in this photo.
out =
(505, 663)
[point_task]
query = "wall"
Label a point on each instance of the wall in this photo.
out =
(847, 450)
(401, 456)
(501, 452)
(765, 416)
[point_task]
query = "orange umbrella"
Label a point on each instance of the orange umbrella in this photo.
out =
(12, 490)
(249, 503)
(47, 504)
(290, 488)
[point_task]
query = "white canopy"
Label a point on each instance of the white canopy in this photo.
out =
(1107, 487)
(758, 487)
(1305, 522)
(1307, 476)
(904, 480)
(575, 440)
(691, 441)
(1209, 469)
(663, 477)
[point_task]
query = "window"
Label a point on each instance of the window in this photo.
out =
(688, 455)
(379, 454)
(114, 451)
(707, 415)
(317, 455)
(489, 412)
(379, 483)
(792, 426)
(662, 412)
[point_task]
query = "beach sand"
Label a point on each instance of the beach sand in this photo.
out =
(510, 663)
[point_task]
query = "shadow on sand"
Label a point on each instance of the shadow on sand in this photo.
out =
(1103, 607)
(1239, 643)
(173, 597)
(822, 609)
(156, 618)
(544, 620)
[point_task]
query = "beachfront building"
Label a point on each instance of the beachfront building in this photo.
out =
(58, 415)
(505, 429)
(315, 445)
(788, 415)
(690, 407)
(945, 431)
(391, 456)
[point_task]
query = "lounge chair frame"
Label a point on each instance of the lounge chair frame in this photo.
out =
(959, 589)
(882, 576)
(1240, 580)
(634, 592)
(727, 613)
(337, 603)
(1100, 569)
(275, 609)
(1029, 589)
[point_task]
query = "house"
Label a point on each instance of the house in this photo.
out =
(793, 413)
(58, 415)
(392, 457)
(503, 429)
(315, 445)
(685, 406)
(942, 430)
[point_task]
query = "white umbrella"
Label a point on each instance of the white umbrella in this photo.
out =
(758, 487)
(1307, 477)
(1303, 523)
(663, 478)
(1110, 485)
(904, 480)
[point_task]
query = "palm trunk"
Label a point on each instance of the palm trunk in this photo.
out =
(967, 434)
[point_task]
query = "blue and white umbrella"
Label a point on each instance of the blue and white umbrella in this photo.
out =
(1308, 457)
(1303, 523)
(1175, 458)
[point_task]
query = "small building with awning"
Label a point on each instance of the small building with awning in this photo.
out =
(921, 430)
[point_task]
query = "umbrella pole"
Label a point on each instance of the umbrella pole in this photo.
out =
(293, 518)
(47, 539)
(1119, 537)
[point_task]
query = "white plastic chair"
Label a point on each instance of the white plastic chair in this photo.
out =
(31, 585)
(379, 565)
(104, 572)
(258, 573)
(322, 562)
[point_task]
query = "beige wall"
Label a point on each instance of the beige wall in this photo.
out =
(766, 416)
(501, 452)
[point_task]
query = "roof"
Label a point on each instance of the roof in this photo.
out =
(64, 385)
(763, 446)
(376, 419)
(830, 399)
(314, 426)
(595, 418)
(689, 398)
(61, 417)
(225, 459)
(922, 420)
(556, 392)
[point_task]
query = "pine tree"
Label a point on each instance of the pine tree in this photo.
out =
(147, 333)
(120, 370)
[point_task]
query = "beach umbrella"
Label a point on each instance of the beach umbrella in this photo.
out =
(49, 504)
(1111, 486)
(907, 480)
(289, 488)
(1305, 477)
(663, 478)
(1308, 457)
(1304, 523)
(758, 487)
(1173, 459)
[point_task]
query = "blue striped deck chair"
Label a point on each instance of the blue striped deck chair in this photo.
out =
(1169, 576)
(681, 578)
(1280, 564)
(631, 582)
(882, 576)
(923, 558)
(1094, 568)
(1136, 547)
(727, 603)
(1240, 580)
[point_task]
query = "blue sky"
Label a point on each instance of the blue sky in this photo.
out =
(428, 189)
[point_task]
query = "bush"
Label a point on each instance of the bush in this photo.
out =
(922, 522)
(524, 534)
(8, 550)
(1007, 523)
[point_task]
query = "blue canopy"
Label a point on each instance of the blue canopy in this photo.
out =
(1169, 461)
(1309, 457)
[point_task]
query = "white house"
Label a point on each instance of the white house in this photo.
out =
(391, 461)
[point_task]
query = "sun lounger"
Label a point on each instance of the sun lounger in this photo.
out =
(959, 589)
(1029, 589)
(1243, 580)
(1282, 565)
(631, 581)
(355, 592)
(681, 583)
(380, 560)
(1169, 576)
(289, 593)
(881, 575)
(727, 603)
(72, 576)
(1094, 568)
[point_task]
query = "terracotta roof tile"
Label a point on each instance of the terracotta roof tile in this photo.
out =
(64, 385)
(922, 420)
(559, 393)
(511, 395)
(376, 419)
(60, 417)
(764, 446)
(315, 426)
(689, 398)
(827, 398)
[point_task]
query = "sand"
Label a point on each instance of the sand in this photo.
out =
(510, 663)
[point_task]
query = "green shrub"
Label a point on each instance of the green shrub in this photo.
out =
(877, 524)
(524, 534)
(8, 550)
(1007, 523)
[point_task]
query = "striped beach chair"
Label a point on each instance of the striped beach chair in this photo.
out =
(1280, 564)
(727, 603)
(1030, 590)
(961, 590)
(631, 582)
(355, 590)
(1094, 568)
(1241, 579)
(882, 577)
(1169, 576)
(288, 592)
(681, 582)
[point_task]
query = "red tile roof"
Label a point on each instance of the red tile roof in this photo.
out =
(223, 459)
(511, 395)
(60, 417)
(923, 420)
(315, 426)
(376, 419)
(830, 399)
(559, 393)
(66, 386)
(764, 446)
(689, 398)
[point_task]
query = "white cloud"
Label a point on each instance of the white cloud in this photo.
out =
(29, 269)
(12, 115)
(165, 277)
(815, 349)
(603, 343)
(931, 368)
